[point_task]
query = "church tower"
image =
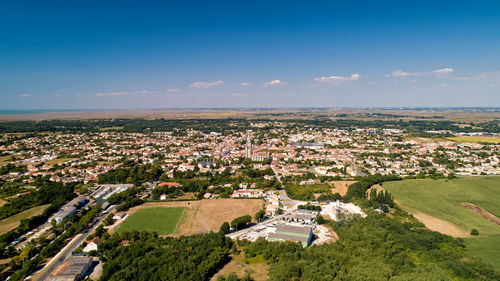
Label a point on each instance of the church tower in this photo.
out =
(248, 146)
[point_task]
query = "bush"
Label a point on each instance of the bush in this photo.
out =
(474, 232)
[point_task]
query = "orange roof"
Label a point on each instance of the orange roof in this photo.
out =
(60, 269)
(169, 184)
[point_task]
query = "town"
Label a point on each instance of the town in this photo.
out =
(274, 181)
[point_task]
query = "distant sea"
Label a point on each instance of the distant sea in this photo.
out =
(36, 111)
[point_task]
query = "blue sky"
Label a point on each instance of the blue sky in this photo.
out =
(181, 54)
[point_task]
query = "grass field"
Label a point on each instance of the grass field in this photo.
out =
(475, 139)
(58, 161)
(442, 200)
(160, 219)
(241, 266)
(206, 215)
(5, 159)
(12, 222)
(111, 128)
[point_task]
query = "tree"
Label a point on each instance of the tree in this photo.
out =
(259, 216)
(320, 220)
(241, 222)
(224, 228)
(474, 232)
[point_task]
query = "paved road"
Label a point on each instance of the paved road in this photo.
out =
(68, 250)
(284, 198)
(358, 171)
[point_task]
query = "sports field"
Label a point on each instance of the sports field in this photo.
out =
(163, 220)
(439, 204)
(205, 215)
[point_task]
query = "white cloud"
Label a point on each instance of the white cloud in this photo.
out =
(442, 71)
(239, 95)
(26, 95)
(173, 90)
(245, 84)
(443, 85)
(438, 73)
(205, 85)
(337, 79)
(57, 95)
(399, 73)
(481, 76)
(274, 83)
(118, 94)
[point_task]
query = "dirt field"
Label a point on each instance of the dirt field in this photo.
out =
(441, 226)
(483, 213)
(207, 215)
(258, 271)
(340, 186)
(433, 223)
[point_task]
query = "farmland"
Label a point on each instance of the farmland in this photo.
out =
(478, 139)
(162, 220)
(442, 201)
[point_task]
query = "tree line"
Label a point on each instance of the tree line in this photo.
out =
(143, 256)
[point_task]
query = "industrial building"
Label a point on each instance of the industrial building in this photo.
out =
(302, 234)
(73, 269)
(70, 208)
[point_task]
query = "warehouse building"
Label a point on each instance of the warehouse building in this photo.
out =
(70, 208)
(73, 269)
(302, 234)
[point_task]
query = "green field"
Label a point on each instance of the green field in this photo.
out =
(163, 220)
(442, 198)
(12, 222)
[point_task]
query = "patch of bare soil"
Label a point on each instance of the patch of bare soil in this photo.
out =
(340, 186)
(483, 213)
(437, 224)
(440, 225)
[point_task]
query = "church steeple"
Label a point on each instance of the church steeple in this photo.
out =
(248, 146)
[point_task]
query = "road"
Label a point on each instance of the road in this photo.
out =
(358, 171)
(292, 206)
(73, 245)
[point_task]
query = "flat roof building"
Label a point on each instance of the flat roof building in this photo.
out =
(73, 269)
(302, 234)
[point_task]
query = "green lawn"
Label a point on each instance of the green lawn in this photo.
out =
(442, 198)
(163, 220)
